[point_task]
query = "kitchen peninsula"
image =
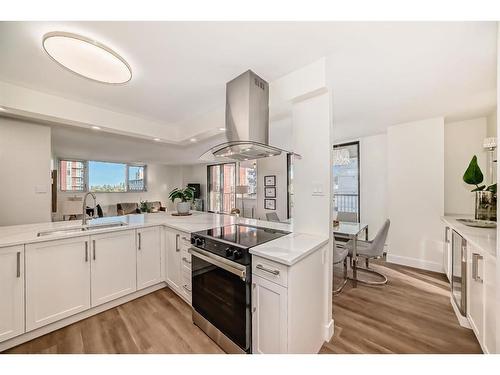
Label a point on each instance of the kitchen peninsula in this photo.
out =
(62, 273)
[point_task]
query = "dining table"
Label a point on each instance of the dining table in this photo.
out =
(352, 231)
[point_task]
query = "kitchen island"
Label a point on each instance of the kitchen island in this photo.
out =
(470, 265)
(62, 273)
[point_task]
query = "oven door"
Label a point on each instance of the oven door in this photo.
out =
(221, 294)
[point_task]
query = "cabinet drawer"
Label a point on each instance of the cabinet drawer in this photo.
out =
(186, 260)
(186, 284)
(269, 270)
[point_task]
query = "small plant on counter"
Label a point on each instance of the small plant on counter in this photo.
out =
(186, 196)
(474, 176)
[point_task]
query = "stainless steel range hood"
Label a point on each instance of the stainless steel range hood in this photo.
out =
(247, 122)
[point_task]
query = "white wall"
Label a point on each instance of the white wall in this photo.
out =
(415, 188)
(462, 140)
(25, 157)
(373, 181)
(161, 179)
(267, 167)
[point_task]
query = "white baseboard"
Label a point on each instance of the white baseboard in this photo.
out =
(462, 320)
(329, 329)
(415, 262)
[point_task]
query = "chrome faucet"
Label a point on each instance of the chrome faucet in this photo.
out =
(84, 209)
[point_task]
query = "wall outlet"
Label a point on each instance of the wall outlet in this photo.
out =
(40, 189)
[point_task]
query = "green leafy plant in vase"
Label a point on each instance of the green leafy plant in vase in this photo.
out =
(486, 197)
(186, 195)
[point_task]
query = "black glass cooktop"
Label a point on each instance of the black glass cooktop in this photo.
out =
(243, 235)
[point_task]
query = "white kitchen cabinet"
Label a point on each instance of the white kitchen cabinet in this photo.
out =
(148, 257)
(269, 317)
(57, 280)
(481, 287)
(113, 266)
(178, 266)
(11, 292)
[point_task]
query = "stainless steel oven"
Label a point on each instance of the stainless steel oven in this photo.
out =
(221, 299)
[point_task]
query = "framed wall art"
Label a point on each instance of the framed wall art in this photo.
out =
(269, 180)
(270, 192)
(270, 204)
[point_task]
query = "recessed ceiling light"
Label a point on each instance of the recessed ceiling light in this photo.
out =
(193, 139)
(86, 57)
(156, 139)
(96, 127)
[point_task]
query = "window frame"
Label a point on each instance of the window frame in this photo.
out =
(86, 182)
(85, 177)
(221, 165)
(354, 143)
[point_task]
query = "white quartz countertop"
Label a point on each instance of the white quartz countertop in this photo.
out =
(291, 247)
(482, 238)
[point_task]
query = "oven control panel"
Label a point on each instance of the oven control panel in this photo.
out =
(222, 249)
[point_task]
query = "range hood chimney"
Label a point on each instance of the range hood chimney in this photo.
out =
(247, 122)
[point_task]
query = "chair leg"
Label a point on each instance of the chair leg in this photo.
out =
(373, 272)
(344, 282)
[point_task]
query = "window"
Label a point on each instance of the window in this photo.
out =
(136, 178)
(72, 175)
(107, 177)
(101, 177)
(248, 177)
(346, 180)
(221, 187)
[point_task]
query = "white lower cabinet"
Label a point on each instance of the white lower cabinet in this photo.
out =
(481, 274)
(57, 280)
(178, 267)
(11, 292)
(113, 266)
(269, 317)
(148, 257)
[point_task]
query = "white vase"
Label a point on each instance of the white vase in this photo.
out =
(183, 207)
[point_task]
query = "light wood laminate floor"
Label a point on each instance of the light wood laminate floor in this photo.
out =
(411, 314)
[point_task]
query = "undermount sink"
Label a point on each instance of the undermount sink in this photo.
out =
(80, 229)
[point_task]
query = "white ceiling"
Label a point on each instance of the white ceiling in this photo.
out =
(381, 73)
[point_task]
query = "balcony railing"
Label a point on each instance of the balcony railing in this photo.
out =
(346, 202)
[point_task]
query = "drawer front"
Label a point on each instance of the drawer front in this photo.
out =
(269, 270)
(186, 260)
(186, 284)
(184, 241)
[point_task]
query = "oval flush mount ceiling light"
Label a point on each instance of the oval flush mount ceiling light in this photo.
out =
(86, 57)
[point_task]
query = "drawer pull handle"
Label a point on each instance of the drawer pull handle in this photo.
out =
(475, 265)
(177, 236)
(186, 260)
(186, 239)
(93, 246)
(18, 270)
(86, 251)
(139, 235)
(185, 287)
(262, 268)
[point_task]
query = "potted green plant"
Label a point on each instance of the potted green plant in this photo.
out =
(186, 196)
(145, 206)
(486, 197)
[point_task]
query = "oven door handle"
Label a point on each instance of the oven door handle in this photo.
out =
(234, 268)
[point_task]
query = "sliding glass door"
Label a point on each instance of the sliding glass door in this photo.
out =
(346, 181)
(221, 187)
